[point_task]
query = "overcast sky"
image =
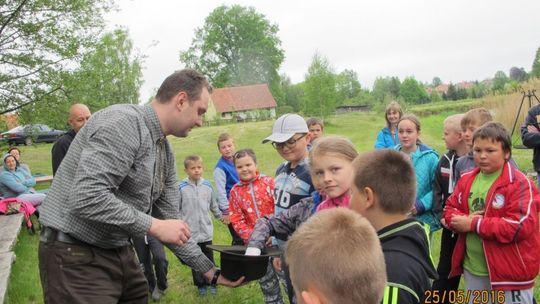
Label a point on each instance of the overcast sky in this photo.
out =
(454, 40)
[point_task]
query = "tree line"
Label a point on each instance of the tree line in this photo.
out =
(55, 53)
(239, 46)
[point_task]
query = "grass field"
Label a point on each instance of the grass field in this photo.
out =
(360, 128)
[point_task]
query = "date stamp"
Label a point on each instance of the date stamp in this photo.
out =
(464, 296)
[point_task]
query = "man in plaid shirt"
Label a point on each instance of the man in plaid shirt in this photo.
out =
(117, 181)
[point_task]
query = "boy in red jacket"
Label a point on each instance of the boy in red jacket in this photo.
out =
(494, 210)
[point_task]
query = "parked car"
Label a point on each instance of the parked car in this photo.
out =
(30, 134)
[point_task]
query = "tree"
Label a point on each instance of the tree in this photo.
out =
(109, 74)
(394, 87)
(436, 82)
(292, 94)
(412, 91)
(499, 81)
(38, 40)
(535, 72)
(518, 74)
(386, 88)
(347, 86)
(320, 88)
(434, 96)
(236, 46)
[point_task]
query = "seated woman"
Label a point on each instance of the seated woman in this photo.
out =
(17, 154)
(17, 182)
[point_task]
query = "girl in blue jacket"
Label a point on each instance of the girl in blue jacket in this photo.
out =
(17, 182)
(387, 137)
(425, 162)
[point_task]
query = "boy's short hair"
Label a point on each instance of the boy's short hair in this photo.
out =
(315, 121)
(454, 122)
(338, 252)
(390, 175)
(243, 153)
(223, 137)
(495, 131)
(478, 116)
(191, 158)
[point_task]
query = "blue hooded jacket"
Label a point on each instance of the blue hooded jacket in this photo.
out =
(385, 140)
(425, 161)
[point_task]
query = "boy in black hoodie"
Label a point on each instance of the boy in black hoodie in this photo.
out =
(384, 192)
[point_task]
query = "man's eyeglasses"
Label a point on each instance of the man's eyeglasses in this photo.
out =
(291, 143)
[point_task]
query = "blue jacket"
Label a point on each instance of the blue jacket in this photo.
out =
(225, 177)
(385, 139)
(425, 161)
(15, 183)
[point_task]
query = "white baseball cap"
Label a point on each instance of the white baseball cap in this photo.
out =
(285, 127)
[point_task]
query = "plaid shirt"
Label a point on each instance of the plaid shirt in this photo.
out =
(118, 170)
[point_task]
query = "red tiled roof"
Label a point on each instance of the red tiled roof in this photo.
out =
(442, 88)
(466, 85)
(243, 98)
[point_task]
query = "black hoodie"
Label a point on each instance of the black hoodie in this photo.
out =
(409, 267)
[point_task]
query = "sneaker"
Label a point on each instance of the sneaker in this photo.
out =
(157, 294)
(213, 290)
(202, 291)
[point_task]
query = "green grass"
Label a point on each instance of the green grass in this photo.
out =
(361, 128)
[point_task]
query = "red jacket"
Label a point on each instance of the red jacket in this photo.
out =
(509, 228)
(250, 201)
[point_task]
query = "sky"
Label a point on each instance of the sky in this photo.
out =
(454, 40)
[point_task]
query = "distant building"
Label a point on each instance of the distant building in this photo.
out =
(352, 108)
(249, 102)
(466, 85)
(441, 89)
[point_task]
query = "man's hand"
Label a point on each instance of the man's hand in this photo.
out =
(170, 231)
(226, 219)
(222, 280)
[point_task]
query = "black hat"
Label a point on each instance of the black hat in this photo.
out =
(235, 264)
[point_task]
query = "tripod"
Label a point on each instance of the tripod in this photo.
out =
(529, 94)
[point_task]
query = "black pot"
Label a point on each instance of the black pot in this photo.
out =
(235, 264)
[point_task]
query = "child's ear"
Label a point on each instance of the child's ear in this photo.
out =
(507, 156)
(311, 297)
(308, 138)
(370, 197)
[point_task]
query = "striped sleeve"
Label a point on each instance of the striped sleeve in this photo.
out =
(399, 294)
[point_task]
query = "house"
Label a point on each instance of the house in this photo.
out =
(466, 85)
(251, 102)
(352, 108)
